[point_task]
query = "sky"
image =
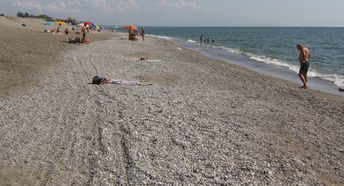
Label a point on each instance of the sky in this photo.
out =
(188, 12)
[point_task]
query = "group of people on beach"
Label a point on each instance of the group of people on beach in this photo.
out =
(304, 56)
(134, 33)
(205, 40)
(84, 40)
(59, 31)
(76, 40)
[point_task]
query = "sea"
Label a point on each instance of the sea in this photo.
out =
(269, 50)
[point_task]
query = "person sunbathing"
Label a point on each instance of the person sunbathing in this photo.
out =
(76, 40)
(86, 41)
(101, 80)
(66, 31)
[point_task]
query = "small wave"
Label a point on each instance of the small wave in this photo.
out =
(335, 78)
(277, 62)
(191, 41)
(161, 37)
(231, 50)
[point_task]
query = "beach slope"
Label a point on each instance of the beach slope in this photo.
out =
(201, 122)
(26, 53)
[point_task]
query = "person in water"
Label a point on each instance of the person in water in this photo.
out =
(201, 39)
(304, 57)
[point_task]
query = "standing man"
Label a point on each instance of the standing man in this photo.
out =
(130, 34)
(84, 30)
(201, 39)
(143, 33)
(305, 56)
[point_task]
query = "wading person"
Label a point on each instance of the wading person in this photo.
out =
(304, 58)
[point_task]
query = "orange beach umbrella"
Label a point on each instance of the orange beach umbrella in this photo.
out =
(130, 27)
(60, 23)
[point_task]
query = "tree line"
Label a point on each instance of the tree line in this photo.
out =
(40, 16)
(45, 17)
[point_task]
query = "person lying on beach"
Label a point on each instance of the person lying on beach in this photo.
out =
(143, 58)
(86, 41)
(76, 40)
(101, 80)
(133, 36)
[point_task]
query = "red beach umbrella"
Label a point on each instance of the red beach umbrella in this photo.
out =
(130, 27)
(88, 23)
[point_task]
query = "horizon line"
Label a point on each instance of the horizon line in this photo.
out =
(248, 26)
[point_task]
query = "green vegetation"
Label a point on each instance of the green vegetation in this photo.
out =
(45, 17)
(41, 16)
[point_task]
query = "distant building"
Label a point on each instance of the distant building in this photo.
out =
(2, 14)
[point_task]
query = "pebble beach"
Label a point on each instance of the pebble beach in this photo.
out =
(194, 121)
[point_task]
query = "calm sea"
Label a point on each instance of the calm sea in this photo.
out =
(269, 46)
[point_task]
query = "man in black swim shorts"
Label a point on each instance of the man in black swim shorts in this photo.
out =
(305, 56)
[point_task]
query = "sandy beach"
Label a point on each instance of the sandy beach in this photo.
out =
(26, 52)
(201, 122)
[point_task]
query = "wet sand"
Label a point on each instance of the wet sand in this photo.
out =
(202, 122)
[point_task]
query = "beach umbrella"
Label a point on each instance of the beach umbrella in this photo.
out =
(94, 26)
(130, 27)
(60, 23)
(88, 23)
(49, 23)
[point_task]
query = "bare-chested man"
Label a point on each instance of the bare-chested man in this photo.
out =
(84, 30)
(305, 56)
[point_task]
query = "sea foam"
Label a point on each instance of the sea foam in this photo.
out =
(191, 41)
(335, 78)
(161, 37)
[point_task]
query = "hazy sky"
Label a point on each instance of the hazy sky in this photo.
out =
(188, 12)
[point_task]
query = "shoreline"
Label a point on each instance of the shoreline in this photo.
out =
(281, 72)
(270, 77)
(202, 121)
(315, 83)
